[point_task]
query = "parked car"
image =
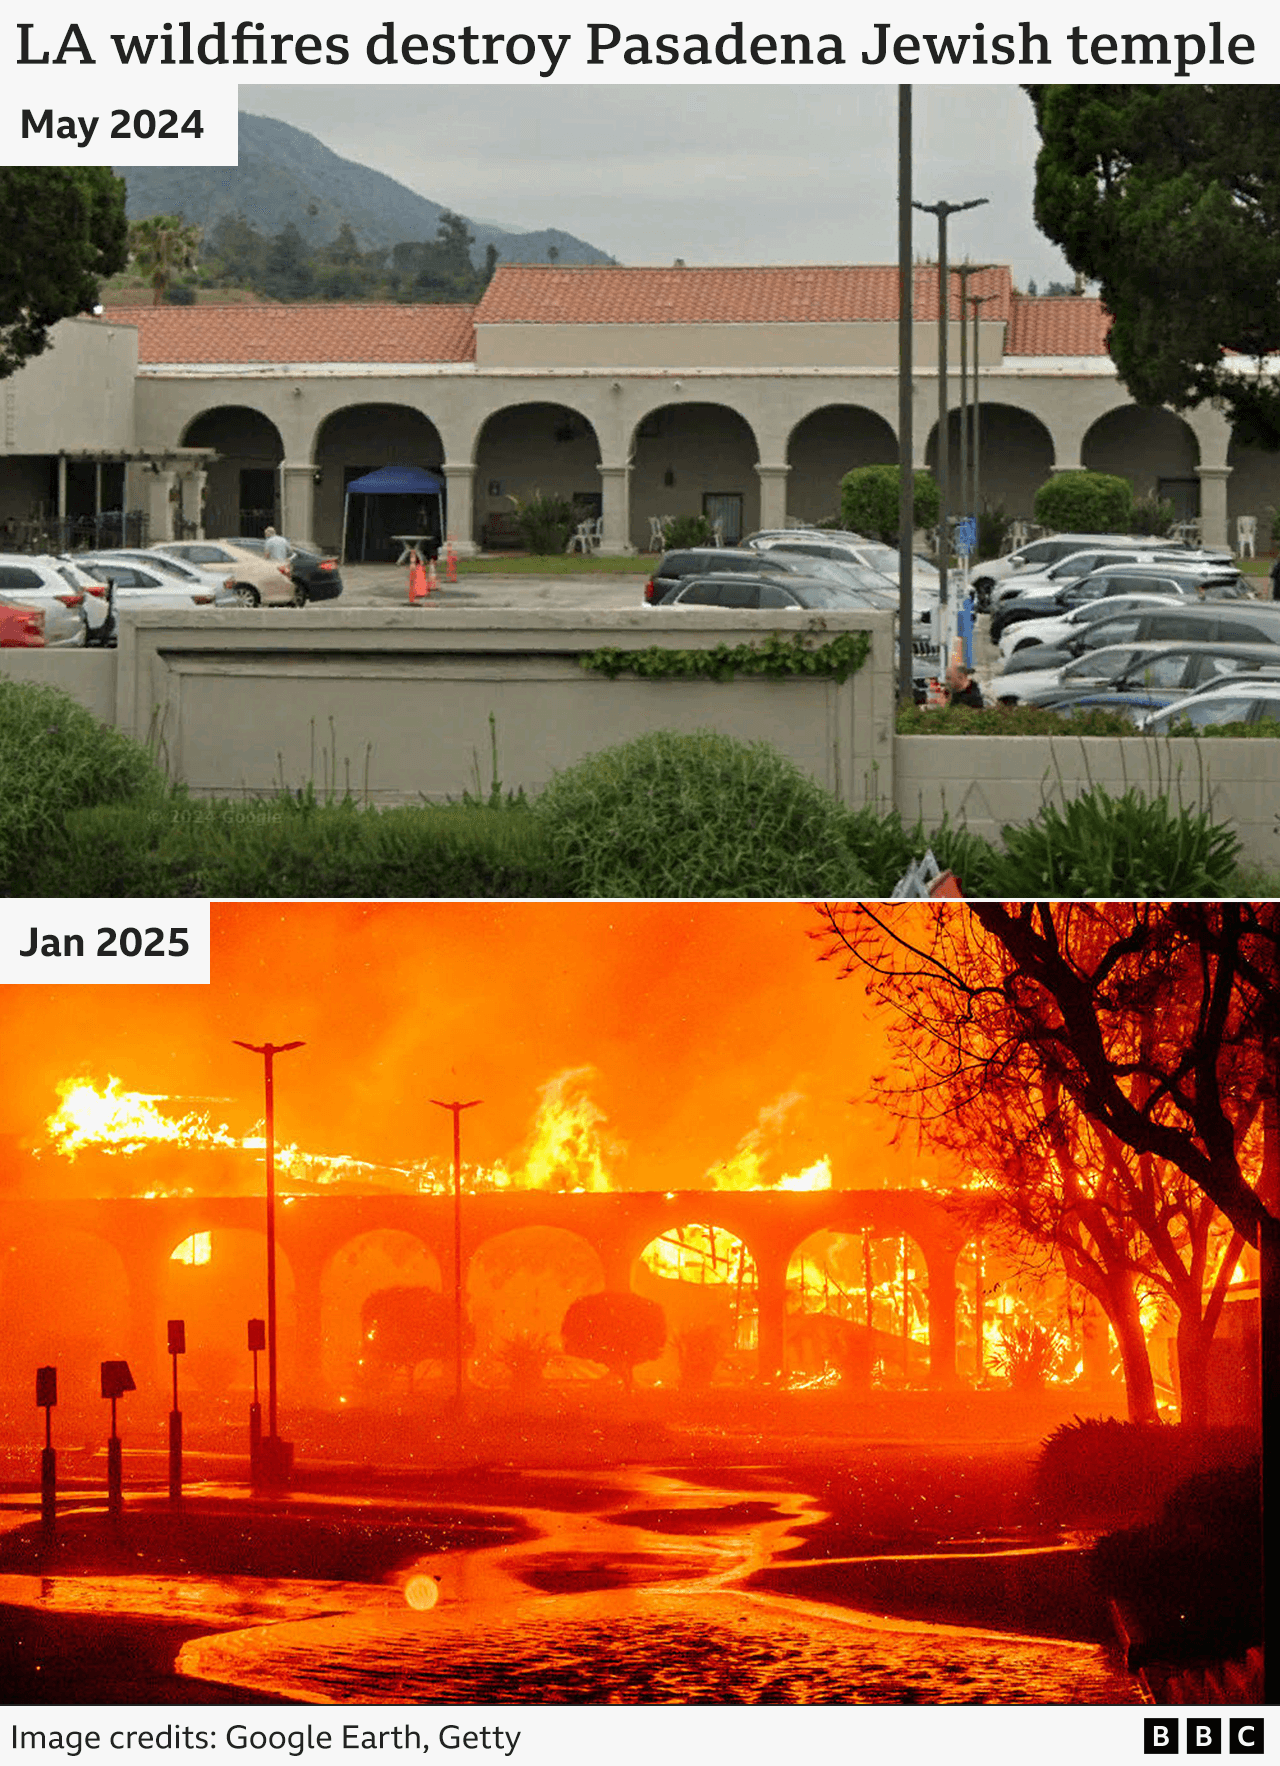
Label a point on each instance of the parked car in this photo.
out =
(1039, 555)
(21, 627)
(1248, 701)
(1044, 598)
(1054, 630)
(316, 576)
(36, 581)
(1047, 583)
(257, 581)
(1199, 622)
(673, 567)
(132, 585)
(1176, 667)
(200, 578)
(766, 591)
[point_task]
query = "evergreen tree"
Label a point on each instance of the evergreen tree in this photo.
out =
(63, 230)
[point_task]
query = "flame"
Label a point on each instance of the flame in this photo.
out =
(114, 1120)
(566, 1150)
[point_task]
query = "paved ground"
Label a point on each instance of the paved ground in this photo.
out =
(383, 585)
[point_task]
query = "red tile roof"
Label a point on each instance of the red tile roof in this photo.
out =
(298, 334)
(597, 294)
(1058, 325)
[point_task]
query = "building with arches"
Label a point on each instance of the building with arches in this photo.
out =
(742, 393)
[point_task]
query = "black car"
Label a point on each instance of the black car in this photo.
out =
(316, 577)
(768, 592)
(1118, 579)
(673, 567)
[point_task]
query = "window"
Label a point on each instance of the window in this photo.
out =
(14, 576)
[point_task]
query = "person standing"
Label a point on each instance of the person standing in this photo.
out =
(277, 547)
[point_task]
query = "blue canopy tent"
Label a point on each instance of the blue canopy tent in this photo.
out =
(391, 481)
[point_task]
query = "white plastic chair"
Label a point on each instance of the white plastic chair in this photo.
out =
(657, 539)
(580, 539)
(717, 532)
(1246, 535)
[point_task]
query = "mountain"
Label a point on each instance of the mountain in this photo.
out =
(287, 175)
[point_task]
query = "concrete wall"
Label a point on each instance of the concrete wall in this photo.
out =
(77, 395)
(398, 703)
(987, 782)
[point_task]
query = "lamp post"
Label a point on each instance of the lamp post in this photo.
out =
(964, 271)
(457, 1110)
(906, 393)
(976, 301)
(943, 210)
(275, 1455)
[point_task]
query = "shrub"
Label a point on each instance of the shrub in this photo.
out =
(1152, 515)
(1131, 846)
(993, 531)
(869, 501)
(687, 530)
(1099, 1465)
(617, 1330)
(288, 846)
(545, 523)
(56, 757)
(1085, 502)
(1011, 720)
(696, 815)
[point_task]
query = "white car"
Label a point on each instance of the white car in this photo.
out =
(39, 582)
(1050, 632)
(200, 579)
(1040, 555)
(136, 586)
(1044, 584)
(1228, 702)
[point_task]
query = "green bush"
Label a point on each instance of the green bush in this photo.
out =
(288, 846)
(545, 523)
(1011, 720)
(696, 815)
(869, 501)
(687, 530)
(1085, 502)
(56, 757)
(1131, 846)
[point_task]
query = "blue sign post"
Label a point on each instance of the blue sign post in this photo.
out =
(965, 534)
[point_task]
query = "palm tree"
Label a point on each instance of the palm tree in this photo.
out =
(162, 247)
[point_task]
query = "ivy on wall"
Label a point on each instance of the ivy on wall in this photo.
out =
(775, 656)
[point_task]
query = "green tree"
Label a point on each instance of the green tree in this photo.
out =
(235, 254)
(162, 247)
(618, 1330)
(63, 231)
(1169, 198)
(1085, 502)
(869, 501)
(288, 273)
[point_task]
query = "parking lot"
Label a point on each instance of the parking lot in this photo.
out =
(385, 585)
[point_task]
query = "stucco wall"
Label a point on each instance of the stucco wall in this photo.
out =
(870, 344)
(77, 395)
(986, 782)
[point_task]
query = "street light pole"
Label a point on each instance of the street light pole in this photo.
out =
(975, 457)
(968, 505)
(273, 1456)
(906, 394)
(457, 1110)
(942, 210)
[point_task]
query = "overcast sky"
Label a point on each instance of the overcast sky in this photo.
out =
(711, 174)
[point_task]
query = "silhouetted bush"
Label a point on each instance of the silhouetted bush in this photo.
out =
(617, 1330)
(1100, 1465)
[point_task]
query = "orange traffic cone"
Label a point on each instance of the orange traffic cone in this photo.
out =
(450, 563)
(432, 583)
(419, 588)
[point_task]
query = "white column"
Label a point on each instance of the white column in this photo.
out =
(297, 500)
(160, 486)
(773, 493)
(460, 506)
(1213, 504)
(615, 493)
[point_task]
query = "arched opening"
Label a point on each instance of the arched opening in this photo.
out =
(520, 1284)
(1156, 451)
(694, 459)
(384, 1258)
(858, 1310)
(355, 441)
(823, 447)
(531, 450)
(1253, 491)
(705, 1280)
(215, 1281)
(242, 489)
(1015, 457)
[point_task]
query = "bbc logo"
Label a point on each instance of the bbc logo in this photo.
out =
(1204, 1735)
